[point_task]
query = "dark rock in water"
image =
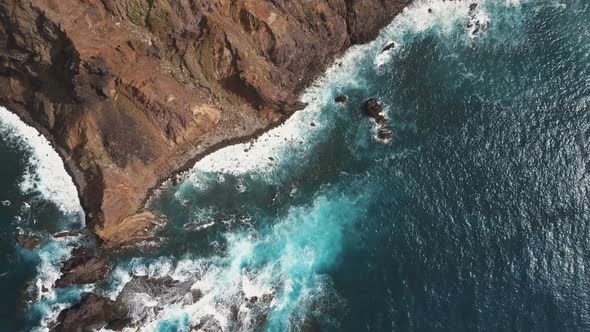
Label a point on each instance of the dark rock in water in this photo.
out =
(341, 99)
(385, 134)
(373, 108)
(312, 124)
(28, 241)
(381, 120)
(65, 234)
(83, 268)
(477, 25)
(92, 313)
(388, 47)
(430, 10)
(165, 291)
(119, 324)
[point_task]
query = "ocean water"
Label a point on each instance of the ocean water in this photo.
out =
(476, 217)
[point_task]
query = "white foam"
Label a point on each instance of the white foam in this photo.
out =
(45, 173)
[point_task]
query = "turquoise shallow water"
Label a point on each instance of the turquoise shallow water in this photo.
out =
(474, 218)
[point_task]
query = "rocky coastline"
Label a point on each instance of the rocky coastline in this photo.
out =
(132, 92)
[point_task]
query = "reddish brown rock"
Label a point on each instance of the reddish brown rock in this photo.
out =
(130, 92)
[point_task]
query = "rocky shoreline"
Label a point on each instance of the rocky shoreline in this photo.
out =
(132, 93)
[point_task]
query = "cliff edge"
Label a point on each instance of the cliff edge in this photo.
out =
(131, 91)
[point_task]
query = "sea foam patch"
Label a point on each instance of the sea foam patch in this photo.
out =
(45, 174)
(275, 275)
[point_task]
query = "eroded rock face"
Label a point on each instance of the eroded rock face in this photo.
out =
(131, 91)
(142, 297)
(92, 313)
(83, 268)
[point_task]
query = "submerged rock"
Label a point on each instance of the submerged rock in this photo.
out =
(83, 268)
(385, 134)
(478, 21)
(28, 241)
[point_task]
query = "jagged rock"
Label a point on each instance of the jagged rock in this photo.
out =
(341, 99)
(153, 290)
(92, 313)
(83, 268)
(28, 241)
(373, 108)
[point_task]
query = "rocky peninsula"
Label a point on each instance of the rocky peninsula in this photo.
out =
(130, 92)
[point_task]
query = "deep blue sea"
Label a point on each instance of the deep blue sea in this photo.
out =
(475, 217)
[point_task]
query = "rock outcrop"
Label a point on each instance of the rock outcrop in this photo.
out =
(132, 91)
(83, 268)
(92, 313)
(374, 110)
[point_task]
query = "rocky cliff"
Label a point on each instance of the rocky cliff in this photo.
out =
(131, 91)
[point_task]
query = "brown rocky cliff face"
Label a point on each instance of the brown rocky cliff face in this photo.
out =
(131, 91)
